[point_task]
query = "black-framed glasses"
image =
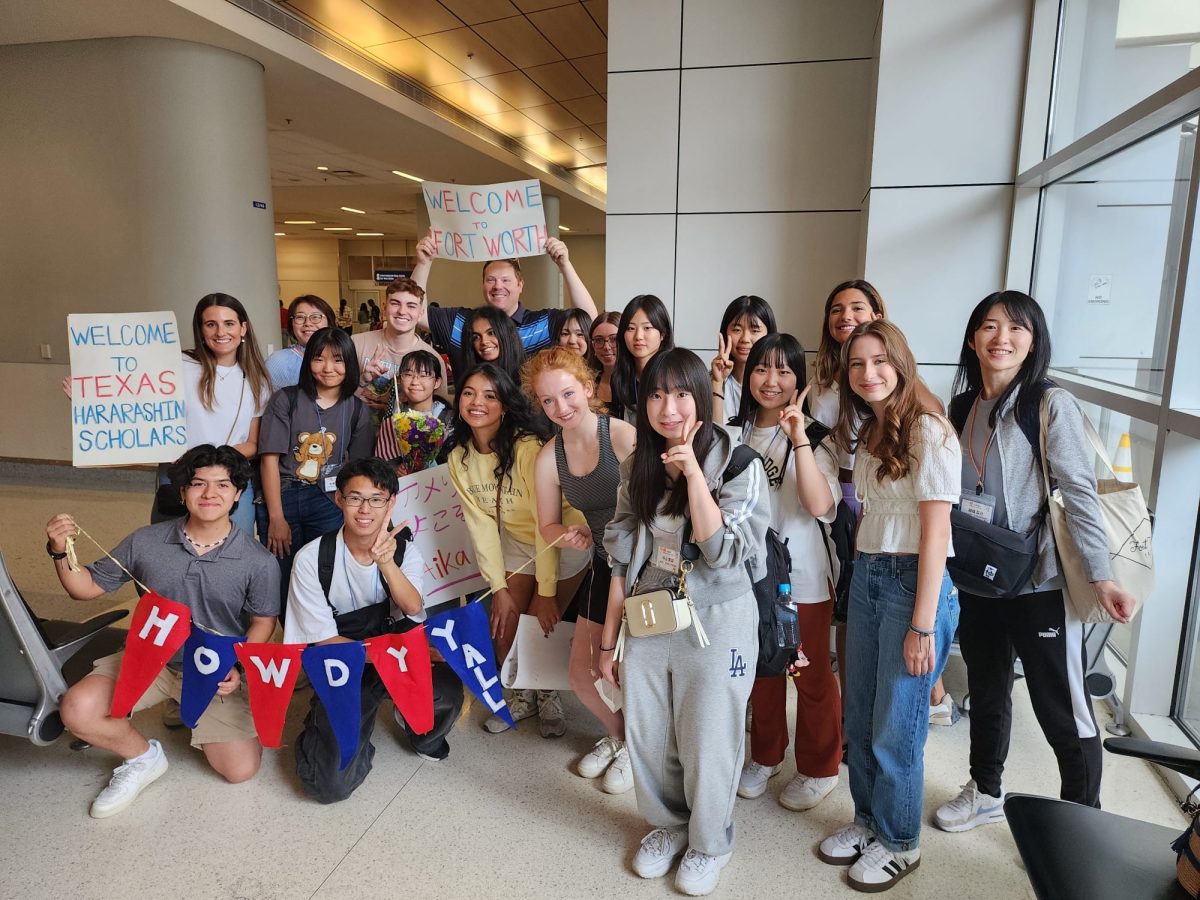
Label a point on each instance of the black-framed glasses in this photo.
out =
(359, 500)
(604, 341)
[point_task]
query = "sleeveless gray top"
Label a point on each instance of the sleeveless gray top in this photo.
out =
(594, 494)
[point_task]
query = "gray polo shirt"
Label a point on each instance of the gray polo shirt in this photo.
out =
(223, 589)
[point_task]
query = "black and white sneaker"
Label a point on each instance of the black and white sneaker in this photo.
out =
(879, 868)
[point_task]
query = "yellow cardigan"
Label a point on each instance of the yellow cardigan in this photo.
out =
(476, 486)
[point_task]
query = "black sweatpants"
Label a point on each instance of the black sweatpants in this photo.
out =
(1036, 627)
(317, 754)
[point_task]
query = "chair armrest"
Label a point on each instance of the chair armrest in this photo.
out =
(66, 644)
(1185, 760)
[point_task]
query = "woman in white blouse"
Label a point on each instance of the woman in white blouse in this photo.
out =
(903, 606)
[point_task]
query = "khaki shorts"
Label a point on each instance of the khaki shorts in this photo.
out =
(226, 719)
(517, 553)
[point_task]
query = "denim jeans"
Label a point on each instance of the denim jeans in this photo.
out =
(887, 709)
(309, 513)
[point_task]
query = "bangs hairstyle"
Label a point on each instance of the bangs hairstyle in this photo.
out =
(421, 362)
(403, 286)
(668, 370)
(829, 352)
(512, 352)
(517, 421)
(892, 433)
(1024, 310)
(249, 357)
(773, 351)
(752, 307)
(625, 375)
(341, 345)
(558, 359)
(382, 475)
(314, 301)
(183, 470)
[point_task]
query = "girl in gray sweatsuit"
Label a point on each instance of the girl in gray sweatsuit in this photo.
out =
(685, 704)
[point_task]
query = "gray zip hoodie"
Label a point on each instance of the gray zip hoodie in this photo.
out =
(719, 573)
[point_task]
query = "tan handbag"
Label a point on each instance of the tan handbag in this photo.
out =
(664, 611)
(1126, 522)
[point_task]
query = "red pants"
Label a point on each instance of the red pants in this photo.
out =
(818, 704)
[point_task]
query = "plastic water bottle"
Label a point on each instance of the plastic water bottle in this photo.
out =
(787, 629)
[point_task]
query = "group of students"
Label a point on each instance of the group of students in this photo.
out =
(592, 460)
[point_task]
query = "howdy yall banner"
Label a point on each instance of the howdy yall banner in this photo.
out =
(161, 627)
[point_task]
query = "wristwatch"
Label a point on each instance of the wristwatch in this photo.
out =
(53, 555)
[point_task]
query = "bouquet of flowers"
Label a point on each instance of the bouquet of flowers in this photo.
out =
(418, 440)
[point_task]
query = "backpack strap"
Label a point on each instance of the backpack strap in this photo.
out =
(327, 550)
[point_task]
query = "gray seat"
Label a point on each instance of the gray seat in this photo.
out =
(35, 662)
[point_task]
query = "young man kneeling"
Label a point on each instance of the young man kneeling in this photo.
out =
(228, 581)
(350, 585)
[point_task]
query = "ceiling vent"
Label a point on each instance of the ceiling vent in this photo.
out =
(398, 212)
(346, 173)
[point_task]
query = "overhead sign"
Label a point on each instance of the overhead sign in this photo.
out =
(478, 222)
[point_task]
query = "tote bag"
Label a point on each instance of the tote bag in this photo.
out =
(1126, 523)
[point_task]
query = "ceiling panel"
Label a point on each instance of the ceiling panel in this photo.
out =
(518, 40)
(592, 108)
(472, 97)
(552, 148)
(532, 5)
(417, 17)
(468, 51)
(596, 154)
(601, 128)
(353, 20)
(553, 116)
(595, 70)
(560, 80)
(571, 30)
(517, 90)
(598, 9)
(417, 61)
(475, 11)
(580, 138)
(514, 123)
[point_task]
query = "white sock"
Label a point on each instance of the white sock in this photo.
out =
(152, 752)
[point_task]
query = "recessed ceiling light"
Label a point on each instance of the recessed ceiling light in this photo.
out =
(563, 228)
(370, 234)
(353, 210)
(339, 229)
(299, 221)
(322, 168)
(280, 234)
(406, 175)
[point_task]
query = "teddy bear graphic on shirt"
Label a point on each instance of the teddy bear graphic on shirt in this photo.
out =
(312, 452)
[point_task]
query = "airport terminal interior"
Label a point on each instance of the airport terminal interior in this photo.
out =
(155, 151)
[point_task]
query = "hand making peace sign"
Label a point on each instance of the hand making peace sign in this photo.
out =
(383, 551)
(683, 456)
(722, 365)
(791, 420)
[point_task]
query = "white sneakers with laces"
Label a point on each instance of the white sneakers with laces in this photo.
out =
(657, 853)
(619, 777)
(128, 780)
(552, 721)
(944, 712)
(804, 792)
(845, 846)
(970, 808)
(753, 782)
(521, 705)
(699, 873)
(597, 760)
(879, 868)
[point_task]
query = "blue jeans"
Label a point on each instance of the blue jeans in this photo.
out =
(887, 709)
(309, 513)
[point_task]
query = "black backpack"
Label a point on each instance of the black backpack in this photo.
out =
(369, 621)
(839, 533)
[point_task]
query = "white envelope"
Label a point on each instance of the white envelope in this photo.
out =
(538, 662)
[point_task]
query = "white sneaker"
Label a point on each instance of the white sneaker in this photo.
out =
(880, 868)
(521, 705)
(753, 782)
(619, 777)
(552, 721)
(945, 712)
(804, 793)
(599, 757)
(699, 873)
(845, 846)
(128, 780)
(658, 851)
(970, 808)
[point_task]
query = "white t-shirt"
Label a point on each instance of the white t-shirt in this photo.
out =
(733, 397)
(217, 426)
(825, 404)
(804, 536)
(354, 586)
(891, 521)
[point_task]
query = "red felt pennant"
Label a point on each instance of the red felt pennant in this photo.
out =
(158, 629)
(402, 661)
(271, 671)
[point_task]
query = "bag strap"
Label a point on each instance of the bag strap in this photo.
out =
(327, 551)
(238, 412)
(1089, 431)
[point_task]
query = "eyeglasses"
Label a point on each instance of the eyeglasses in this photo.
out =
(315, 318)
(417, 376)
(358, 500)
(605, 341)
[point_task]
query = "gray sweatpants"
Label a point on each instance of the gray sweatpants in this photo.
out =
(685, 720)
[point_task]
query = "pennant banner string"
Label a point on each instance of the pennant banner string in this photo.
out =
(72, 558)
(521, 568)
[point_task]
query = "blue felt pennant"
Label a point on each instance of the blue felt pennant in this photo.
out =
(462, 637)
(207, 659)
(335, 671)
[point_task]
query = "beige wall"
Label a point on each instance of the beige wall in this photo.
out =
(587, 255)
(307, 267)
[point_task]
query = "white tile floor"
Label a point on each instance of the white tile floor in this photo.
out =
(504, 816)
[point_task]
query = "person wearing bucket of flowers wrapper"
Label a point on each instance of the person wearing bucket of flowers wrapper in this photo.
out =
(417, 425)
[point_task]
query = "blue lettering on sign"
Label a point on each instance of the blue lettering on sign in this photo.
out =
(737, 666)
(258, 204)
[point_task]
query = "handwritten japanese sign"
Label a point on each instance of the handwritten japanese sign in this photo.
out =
(478, 222)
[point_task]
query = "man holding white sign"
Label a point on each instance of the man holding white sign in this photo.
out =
(497, 223)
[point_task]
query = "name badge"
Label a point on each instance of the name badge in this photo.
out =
(330, 484)
(978, 506)
(666, 558)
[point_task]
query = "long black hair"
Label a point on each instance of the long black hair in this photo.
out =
(1031, 378)
(625, 374)
(512, 352)
(773, 350)
(676, 369)
(752, 306)
(517, 422)
(337, 340)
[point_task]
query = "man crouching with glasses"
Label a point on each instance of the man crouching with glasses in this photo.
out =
(231, 585)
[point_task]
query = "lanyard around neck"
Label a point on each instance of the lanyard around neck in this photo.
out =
(980, 464)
